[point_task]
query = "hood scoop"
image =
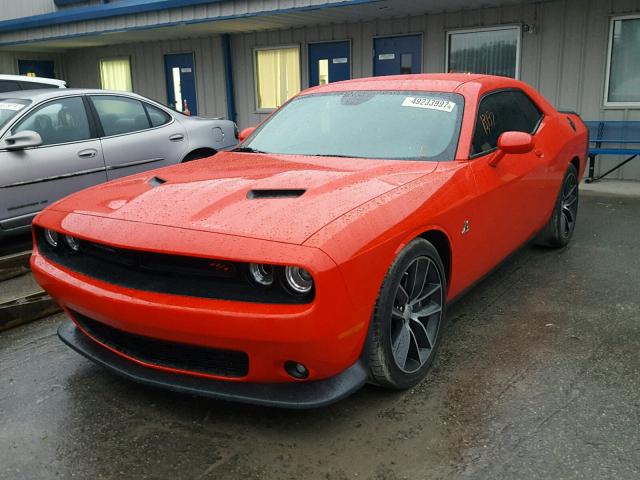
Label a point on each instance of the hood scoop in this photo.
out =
(156, 181)
(275, 193)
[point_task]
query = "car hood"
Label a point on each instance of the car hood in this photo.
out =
(282, 198)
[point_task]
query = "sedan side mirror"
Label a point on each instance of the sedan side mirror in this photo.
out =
(513, 143)
(22, 140)
(246, 133)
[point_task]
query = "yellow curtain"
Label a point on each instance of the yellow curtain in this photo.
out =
(115, 74)
(277, 75)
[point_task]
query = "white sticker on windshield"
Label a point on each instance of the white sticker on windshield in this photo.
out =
(11, 106)
(429, 103)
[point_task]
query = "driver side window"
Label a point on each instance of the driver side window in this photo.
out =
(505, 111)
(59, 121)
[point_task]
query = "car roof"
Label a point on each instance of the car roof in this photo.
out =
(436, 82)
(25, 78)
(38, 95)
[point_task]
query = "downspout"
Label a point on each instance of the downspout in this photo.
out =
(228, 77)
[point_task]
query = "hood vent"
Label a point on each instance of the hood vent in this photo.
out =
(156, 181)
(275, 193)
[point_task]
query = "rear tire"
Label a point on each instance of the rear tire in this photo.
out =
(559, 229)
(407, 319)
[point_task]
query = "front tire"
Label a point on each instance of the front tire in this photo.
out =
(559, 229)
(408, 316)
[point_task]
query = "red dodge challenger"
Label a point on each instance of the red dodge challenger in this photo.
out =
(322, 252)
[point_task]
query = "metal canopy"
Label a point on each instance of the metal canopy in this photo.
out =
(177, 25)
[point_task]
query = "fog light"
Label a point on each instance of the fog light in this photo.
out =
(51, 237)
(73, 243)
(261, 273)
(298, 279)
(296, 370)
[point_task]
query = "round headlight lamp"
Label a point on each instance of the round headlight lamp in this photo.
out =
(261, 273)
(298, 279)
(73, 243)
(51, 237)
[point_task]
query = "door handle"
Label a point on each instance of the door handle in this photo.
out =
(178, 137)
(89, 153)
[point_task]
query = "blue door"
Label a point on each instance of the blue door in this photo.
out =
(329, 62)
(181, 82)
(36, 68)
(397, 55)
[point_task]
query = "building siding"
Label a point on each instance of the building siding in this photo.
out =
(147, 69)
(565, 60)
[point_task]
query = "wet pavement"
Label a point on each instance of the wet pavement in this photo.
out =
(538, 376)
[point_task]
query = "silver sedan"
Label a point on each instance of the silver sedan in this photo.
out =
(56, 142)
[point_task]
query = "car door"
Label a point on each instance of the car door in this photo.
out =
(69, 159)
(509, 207)
(137, 136)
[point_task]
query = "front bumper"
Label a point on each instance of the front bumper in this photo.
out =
(287, 395)
(327, 335)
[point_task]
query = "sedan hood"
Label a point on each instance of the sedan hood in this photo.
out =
(271, 197)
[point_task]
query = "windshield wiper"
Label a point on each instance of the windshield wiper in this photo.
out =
(332, 155)
(247, 150)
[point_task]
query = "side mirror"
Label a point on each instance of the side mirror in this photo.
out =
(22, 140)
(513, 143)
(246, 133)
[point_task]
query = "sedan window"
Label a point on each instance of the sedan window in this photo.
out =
(9, 108)
(59, 121)
(158, 117)
(119, 115)
(9, 86)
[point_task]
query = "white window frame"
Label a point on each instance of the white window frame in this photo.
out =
(496, 28)
(607, 103)
(117, 57)
(254, 53)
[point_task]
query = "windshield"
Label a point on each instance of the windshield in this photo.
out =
(369, 124)
(9, 108)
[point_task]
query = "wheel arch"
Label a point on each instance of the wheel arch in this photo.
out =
(442, 244)
(439, 239)
(199, 153)
(575, 161)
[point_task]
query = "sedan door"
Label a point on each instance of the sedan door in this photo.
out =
(69, 159)
(137, 136)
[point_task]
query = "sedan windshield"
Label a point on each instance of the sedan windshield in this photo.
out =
(365, 124)
(9, 108)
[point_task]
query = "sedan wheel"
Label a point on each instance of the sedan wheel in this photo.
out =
(407, 319)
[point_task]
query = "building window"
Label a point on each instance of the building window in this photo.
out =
(490, 51)
(277, 76)
(623, 67)
(115, 74)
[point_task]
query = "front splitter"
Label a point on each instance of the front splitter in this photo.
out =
(298, 395)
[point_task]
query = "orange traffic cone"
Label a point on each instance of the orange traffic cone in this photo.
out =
(185, 108)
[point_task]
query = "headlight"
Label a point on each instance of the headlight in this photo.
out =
(73, 243)
(261, 273)
(52, 237)
(298, 279)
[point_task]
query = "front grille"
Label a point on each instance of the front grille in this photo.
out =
(165, 273)
(225, 363)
